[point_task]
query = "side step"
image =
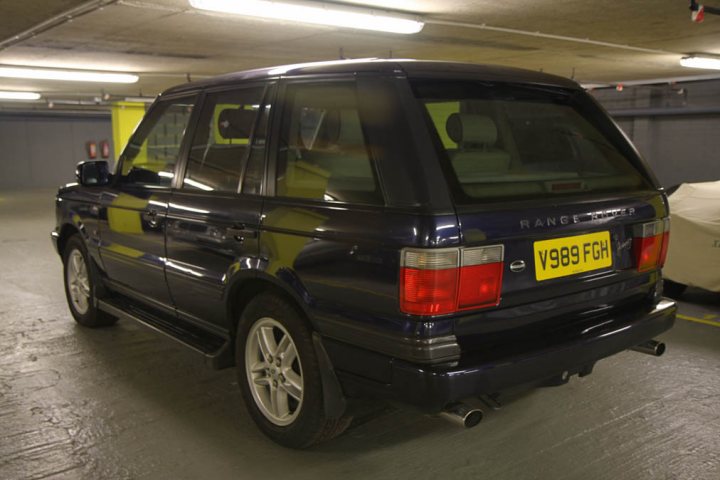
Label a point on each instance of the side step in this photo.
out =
(216, 349)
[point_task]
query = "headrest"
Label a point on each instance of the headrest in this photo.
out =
(471, 128)
(235, 123)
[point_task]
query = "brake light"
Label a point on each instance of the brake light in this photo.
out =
(446, 280)
(650, 244)
(480, 277)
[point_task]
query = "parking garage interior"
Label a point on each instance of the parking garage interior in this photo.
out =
(124, 402)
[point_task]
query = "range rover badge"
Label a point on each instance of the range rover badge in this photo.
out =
(517, 266)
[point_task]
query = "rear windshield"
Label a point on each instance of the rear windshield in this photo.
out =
(505, 141)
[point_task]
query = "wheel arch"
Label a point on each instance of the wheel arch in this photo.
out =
(66, 231)
(242, 291)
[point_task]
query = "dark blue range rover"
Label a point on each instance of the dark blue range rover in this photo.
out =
(421, 231)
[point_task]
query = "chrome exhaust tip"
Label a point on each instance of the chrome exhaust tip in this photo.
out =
(462, 414)
(651, 347)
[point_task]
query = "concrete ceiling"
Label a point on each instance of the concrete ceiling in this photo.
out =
(165, 41)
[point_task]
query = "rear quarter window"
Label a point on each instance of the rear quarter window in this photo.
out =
(324, 153)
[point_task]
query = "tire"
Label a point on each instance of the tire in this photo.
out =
(81, 287)
(282, 391)
(673, 289)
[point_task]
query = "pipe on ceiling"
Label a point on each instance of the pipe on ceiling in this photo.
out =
(57, 20)
(564, 38)
(663, 112)
(63, 113)
(649, 82)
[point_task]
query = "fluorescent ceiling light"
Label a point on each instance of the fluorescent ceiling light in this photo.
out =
(283, 69)
(19, 96)
(140, 99)
(701, 62)
(318, 13)
(67, 75)
(590, 86)
(286, 68)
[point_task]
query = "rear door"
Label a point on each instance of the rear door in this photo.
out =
(214, 215)
(134, 207)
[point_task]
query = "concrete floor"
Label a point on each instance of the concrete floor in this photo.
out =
(125, 403)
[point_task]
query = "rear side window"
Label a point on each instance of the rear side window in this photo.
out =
(511, 141)
(222, 140)
(323, 151)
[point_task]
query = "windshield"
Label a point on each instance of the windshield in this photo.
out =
(504, 141)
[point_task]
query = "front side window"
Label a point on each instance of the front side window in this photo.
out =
(222, 140)
(504, 141)
(152, 153)
(323, 152)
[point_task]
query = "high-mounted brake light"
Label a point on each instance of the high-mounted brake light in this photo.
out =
(650, 242)
(446, 280)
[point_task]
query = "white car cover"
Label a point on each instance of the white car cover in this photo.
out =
(694, 252)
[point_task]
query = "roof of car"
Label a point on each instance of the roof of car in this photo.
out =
(410, 68)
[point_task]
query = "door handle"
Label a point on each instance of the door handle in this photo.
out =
(151, 217)
(240, 232)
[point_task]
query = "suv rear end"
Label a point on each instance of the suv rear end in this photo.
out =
(553, 259)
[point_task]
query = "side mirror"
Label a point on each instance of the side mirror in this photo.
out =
(93, 173)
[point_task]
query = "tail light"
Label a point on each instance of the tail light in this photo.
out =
(447, 280)
(429, 281)
(665, 242)
(650, 242)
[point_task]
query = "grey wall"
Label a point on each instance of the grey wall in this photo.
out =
(42, 151)
(679, 148)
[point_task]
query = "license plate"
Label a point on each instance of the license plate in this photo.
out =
(565, 256)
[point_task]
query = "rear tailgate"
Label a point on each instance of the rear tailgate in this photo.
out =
(544, 172)
(561, 260)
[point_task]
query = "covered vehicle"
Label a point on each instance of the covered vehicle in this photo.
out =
(694, 253)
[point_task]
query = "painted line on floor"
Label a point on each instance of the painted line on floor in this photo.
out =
(698, 320)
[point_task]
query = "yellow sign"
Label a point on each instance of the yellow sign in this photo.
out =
(565, 256)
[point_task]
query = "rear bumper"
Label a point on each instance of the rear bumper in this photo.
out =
(432, 388)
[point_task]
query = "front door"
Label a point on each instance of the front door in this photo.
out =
(135, 205)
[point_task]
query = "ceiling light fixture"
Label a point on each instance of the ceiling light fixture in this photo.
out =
(9, 71)
(140, 99)
(283, 69)
(19, 96)
(319, 13)
(708, 63)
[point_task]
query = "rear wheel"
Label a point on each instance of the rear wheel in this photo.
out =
(80, 286)
(279, 375)
(673, 289)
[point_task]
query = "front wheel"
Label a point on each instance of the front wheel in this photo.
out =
(279, 375)
(80, 286)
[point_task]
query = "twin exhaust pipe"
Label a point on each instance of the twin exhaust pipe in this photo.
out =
(651, 347)
(464, 415)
